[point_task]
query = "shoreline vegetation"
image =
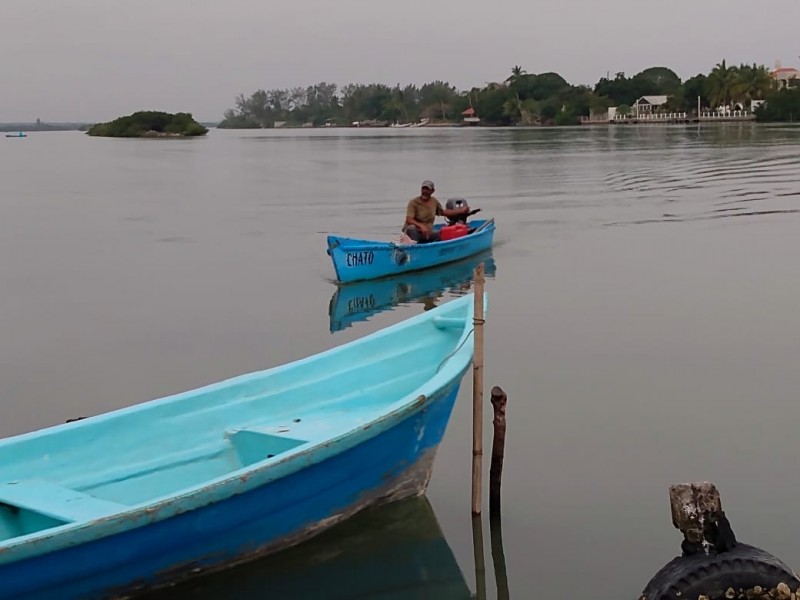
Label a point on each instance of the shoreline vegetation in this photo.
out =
(150, 124)
(657, 94)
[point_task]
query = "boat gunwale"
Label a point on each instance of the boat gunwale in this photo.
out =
(363, 244)
(251, 476)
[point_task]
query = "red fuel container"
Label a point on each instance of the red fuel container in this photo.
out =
(449, 232)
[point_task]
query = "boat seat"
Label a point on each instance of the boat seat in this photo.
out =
(55, 501)
(449, 322)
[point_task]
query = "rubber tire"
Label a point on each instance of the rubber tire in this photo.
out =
(743, 567)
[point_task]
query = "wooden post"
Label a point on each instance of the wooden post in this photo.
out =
(499, 399)
(477, 393)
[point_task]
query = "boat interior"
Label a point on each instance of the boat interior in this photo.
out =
(133, 457)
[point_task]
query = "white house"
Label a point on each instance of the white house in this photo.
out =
(648, 104)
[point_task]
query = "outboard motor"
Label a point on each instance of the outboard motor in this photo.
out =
(456, 203)
(456, 226)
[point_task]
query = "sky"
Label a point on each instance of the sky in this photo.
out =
(95, 60)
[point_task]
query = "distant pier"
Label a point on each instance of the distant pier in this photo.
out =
(671, 118)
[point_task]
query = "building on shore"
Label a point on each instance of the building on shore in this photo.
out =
(470, 118)
(648, 105)
(785, 77)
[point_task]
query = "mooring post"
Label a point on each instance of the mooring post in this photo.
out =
(714, 564)
(499, 399)
(477, 392)
(697, 513)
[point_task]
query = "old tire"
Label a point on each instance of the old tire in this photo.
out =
(741, 568)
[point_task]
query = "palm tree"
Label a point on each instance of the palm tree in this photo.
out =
(516, 73)
(721, 83)
(753, 82)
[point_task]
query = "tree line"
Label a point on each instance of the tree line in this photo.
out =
(522, 98)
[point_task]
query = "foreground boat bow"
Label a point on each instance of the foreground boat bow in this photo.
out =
(138, 497)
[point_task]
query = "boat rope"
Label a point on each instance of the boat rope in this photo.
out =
(449, 356)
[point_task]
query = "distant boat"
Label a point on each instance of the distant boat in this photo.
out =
(360, 301)
(359, 260)
(136, 498)
(20, 134)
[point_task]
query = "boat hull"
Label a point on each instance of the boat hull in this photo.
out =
(360, 260)
(392, 465)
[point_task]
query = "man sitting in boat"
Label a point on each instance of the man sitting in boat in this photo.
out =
(422, 212)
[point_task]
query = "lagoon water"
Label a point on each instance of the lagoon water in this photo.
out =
(643, 318)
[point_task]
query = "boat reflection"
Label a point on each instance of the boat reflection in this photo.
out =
(359, 301)
(393, 552)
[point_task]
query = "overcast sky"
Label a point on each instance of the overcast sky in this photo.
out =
(94, 60)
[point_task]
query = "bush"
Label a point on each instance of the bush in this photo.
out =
(783, 106)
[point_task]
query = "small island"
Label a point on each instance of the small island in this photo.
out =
(150, 124)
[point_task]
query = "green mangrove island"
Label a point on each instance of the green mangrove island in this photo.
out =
(751, 92)
(150, 124)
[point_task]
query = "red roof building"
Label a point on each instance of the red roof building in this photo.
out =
(786, 77)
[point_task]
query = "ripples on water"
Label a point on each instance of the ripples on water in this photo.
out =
(740, 181)
(135, 269)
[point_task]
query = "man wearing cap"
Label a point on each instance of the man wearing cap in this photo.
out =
(422, 212)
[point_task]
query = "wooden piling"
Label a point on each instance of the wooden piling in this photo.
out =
(477, 392)
(499, 400)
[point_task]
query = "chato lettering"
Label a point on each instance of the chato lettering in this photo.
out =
(357, 259)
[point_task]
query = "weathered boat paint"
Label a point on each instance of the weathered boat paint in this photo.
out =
(360, 260)
(351, 427)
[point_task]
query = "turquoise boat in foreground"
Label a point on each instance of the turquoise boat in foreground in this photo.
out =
(359, 260)
(124, 502)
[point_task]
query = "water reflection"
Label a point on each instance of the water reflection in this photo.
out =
(498, 557)
(360, 301)
(390, 553)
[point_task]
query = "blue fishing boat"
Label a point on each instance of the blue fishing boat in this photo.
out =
(136, 498)
(19, 134)
(362, 300)
(359, 260)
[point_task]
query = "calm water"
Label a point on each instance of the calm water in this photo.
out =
(643, 318)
